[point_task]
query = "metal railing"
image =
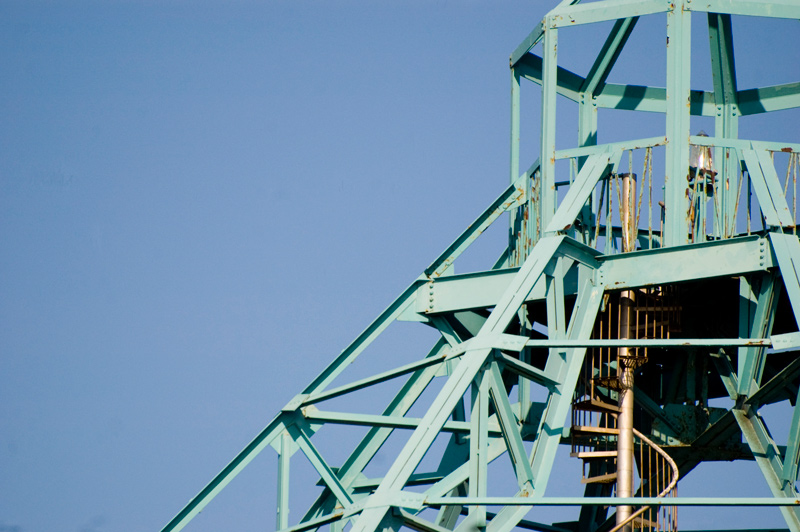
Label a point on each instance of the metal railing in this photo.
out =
(659, 476)
(743, 187)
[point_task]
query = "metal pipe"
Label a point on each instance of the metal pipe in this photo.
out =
(627, 212)
(625, 448)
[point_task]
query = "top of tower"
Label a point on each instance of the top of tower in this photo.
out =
(691, 208)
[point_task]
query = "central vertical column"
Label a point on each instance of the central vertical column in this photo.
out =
(625, 455)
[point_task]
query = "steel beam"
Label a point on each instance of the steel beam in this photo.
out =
(455, 387)
(509, 198)
(369, 446)
(282, 517)
(568, 83)
(611, 147)
(253, 449)
(753, 8)
(726, 122)
(792, 454)
(458, 476)
(376, 379)
(767, 188)
(768, 99)
(679, 24)
(579, 193)
(574, 15)
(533, 38)
(609, 54)
(787, 252)
(767, 392)
(515, 124)
(736, 256)
(751, 359)
(547, 151)
(768, 459)
(373, 420)
(478, 442)
(559, 400)
(300, 434)
(651, 99)
(786, 502)
(743, 144)
(664, 266)
(510, 427)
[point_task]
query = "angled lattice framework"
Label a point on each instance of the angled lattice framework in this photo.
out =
(522, 329)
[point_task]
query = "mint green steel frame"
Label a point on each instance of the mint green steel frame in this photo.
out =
(551, 256)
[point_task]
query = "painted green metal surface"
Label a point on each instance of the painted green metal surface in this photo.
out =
(523, 327)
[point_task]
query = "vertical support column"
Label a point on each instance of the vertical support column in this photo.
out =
(282, 517)
(548, 131)
(691, 376)
(587, 123)
(678, 99)
(726, 121)
(515, 243)
(625, 362)
(625, 449)
(515, 111)
(478, 445)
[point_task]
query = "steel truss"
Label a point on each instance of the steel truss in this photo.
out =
(522, 329)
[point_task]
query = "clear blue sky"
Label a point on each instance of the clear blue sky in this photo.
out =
(202, 204)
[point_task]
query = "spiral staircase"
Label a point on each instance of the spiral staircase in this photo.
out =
(608, 374)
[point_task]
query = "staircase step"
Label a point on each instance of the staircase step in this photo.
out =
(632, 361)
(612, 383)
(657, 308)
(593, 455)
(595, 405)
(588, 430)
(610, 478)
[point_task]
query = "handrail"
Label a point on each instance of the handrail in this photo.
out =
(669, 487)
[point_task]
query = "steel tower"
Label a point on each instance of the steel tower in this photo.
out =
(643, 278)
